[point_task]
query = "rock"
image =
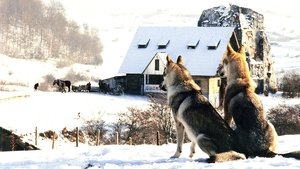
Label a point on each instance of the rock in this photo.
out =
(250, 32)
(49, 134)
(12, 142)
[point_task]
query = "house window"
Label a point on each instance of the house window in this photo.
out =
(219, 82)
(163, 43)
(213, 44)
(143, 43)
(154, 79)
(193, 44)
(156, 64)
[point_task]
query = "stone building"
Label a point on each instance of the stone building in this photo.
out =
(250, 32)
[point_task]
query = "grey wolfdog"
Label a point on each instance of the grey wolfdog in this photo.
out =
(194, 115)
(254, 135)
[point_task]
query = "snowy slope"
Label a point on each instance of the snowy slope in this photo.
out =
(138, 157)
(54, 110)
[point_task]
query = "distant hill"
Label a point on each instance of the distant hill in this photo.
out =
(32, 30)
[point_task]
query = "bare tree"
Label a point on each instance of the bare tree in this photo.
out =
(29, 29)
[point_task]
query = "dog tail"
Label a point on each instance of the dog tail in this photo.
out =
(294, 154)
(226, 156)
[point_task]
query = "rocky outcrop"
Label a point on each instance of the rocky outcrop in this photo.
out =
(12, 142)
(250, 32)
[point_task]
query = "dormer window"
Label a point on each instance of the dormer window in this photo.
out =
(213, 44)
(143, 43)
(193, 44)
(163, 44)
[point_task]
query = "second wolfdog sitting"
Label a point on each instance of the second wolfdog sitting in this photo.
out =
(194, 115)
(255, 136)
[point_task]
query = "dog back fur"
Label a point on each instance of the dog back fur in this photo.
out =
(254, 134)
(195, 115)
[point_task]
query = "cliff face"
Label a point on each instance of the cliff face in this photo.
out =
(249, 29)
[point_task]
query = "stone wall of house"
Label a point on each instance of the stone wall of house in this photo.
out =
(250, 31)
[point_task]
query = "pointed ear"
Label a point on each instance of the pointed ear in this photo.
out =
(169, 60)
(180, 60)
(230, 51)
(242, 50)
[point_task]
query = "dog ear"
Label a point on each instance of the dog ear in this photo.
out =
(180, 60)
(230, 51)
(242, 50)
(169, 60)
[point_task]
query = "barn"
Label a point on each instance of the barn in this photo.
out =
(201, 47)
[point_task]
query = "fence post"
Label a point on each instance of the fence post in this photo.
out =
(98, 138)
(77, 136)
(117, 138)
(157, 138)
(130, 140)
(53, 139)
(35, 133)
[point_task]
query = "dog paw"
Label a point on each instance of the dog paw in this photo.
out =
(176, 155)
(191, 154)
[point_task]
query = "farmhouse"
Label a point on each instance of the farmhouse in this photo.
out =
(201, 47)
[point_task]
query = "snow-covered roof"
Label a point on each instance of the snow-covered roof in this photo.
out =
(201, 47)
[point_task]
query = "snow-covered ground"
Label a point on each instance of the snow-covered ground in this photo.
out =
(138, 157)
(54, 110)
(22, 111)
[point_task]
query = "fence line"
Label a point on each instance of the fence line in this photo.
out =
(53, 137)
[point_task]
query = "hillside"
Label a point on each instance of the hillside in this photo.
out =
(35, 30)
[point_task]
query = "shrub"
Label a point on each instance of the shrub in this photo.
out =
(90, 129)
(286, 119)
(143, 125)
(290, 85)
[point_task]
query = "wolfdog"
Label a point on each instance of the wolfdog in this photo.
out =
(194, 115)
(254, 134)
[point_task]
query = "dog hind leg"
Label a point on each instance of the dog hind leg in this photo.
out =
(206, 144)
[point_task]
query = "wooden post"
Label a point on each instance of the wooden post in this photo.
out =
(130, 140)
(98, 138)
(53, 139)
(36, 135)
(117, 138)
(77, 136)
(157, 138)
